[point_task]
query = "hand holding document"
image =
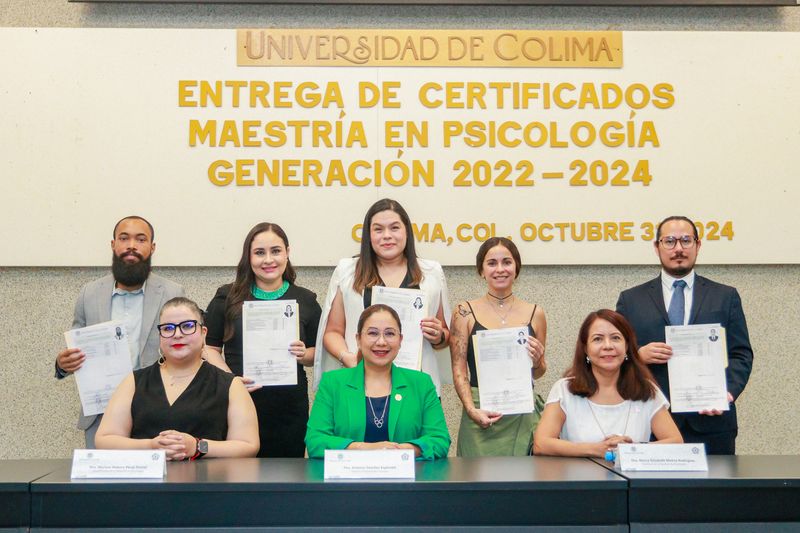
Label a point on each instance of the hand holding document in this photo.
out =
(504, 370)
(697, 368)
(108, 362)
(269, 327)
(411, 307)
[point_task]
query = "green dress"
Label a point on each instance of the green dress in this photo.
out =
(512, 434)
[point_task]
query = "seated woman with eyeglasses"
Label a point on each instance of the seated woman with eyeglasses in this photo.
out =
(182, 404)
(376, 404)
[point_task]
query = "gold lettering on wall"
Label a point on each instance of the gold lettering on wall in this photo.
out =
(428, 48)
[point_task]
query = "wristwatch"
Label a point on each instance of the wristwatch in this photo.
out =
(201, 449)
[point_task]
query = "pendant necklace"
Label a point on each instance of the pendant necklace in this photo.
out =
(597, 421)
(378, 421)
(501, 302)
(173, 378)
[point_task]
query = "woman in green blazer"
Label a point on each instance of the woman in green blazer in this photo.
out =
(376, 404)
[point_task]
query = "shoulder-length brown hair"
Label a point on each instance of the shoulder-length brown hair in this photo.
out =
(240, 290)
(366, 274)
(635, 381)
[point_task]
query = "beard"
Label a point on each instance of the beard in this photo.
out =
(130, 274)
(680, 271)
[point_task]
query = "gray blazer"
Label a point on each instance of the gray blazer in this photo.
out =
(94, 306)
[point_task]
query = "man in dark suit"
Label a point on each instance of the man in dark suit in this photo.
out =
(130, 294)
(678, 297)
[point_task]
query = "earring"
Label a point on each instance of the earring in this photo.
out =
(588, 361)
(626, 357)
(161, 359)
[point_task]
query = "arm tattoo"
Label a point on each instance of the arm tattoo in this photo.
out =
(460, 348)
(464, 311)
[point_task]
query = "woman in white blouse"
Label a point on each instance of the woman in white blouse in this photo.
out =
(387, 258)
(607, 397)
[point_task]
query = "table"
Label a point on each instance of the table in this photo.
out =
(741, 493)
(526, 493)
(15, 498)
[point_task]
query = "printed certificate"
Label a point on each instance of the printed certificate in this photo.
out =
(411, 306)
(269, 327)
(108, 362)
(504, 370)
(697, 368)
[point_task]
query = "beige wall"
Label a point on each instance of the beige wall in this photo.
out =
(39, 413)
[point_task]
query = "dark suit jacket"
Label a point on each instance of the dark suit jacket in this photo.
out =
(712, 302)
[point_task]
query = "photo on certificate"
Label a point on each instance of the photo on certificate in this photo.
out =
(108, 362)
(411, 307)
(505, 380)
(697, 368)
(269, 327)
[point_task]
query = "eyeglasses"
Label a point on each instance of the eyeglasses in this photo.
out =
(389, 334)
(187, 327)
(669, 242)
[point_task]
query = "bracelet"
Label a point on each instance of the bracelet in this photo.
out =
(196, 450)
(442, 339)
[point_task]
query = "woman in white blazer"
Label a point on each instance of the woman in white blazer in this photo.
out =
(387, 258)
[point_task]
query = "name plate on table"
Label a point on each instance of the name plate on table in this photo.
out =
(119, 464)
(662, 457)
(369, 464)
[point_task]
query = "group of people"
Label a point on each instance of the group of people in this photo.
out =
(188, 395)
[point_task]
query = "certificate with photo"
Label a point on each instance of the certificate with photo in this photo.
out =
(269, 327)
(411, 307)
(697, 368)
(504, 370)
(108, 362)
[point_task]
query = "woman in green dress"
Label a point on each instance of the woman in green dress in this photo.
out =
(484, 432)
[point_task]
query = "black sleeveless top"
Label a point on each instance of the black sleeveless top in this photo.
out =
(405, 284)
(473, 371)
(201, 410)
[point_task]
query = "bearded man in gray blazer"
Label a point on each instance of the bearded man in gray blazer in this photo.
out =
(130, 294)
(653, 305)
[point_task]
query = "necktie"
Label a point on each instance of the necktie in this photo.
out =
(677, 305)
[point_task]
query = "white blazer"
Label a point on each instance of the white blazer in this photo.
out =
(435, 363)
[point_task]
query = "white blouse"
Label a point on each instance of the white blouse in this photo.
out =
(435, 363)
(591, 422)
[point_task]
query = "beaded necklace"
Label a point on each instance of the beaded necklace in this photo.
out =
(260, 294)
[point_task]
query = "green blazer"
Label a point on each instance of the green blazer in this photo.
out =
(339, 414)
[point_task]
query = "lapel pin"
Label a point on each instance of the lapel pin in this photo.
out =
(398, 397)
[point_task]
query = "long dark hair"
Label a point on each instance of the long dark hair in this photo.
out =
(240, 290)
(367, 265)
(635, 381)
